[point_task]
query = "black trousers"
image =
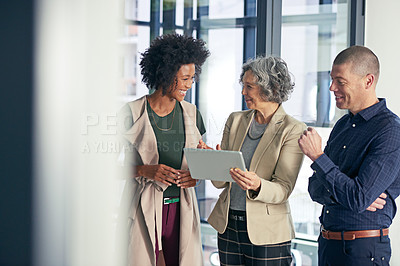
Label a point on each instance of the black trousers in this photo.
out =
(358, 252)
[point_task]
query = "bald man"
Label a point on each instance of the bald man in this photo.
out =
(357, 176)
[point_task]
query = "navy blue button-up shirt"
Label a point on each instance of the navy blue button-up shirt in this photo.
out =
(360, 161)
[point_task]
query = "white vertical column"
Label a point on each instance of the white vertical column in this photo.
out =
(382, 18)
(75, 132)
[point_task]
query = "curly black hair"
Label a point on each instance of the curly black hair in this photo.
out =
(166, 54)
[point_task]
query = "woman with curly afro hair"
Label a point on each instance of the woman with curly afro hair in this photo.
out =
(164, 225)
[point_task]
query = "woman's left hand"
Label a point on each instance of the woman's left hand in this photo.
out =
(185, 180)
(246, 180)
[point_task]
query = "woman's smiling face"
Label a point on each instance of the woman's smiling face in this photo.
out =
(251, 91)
(183, 82)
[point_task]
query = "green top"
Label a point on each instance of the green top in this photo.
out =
(170, 135)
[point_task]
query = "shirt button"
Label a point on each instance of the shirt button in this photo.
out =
(383, 258)
(372, 259)
(327, 212)
(354, 125)
(328, 190)
(344, 147)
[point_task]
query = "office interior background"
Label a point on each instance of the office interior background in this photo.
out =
(68, 66)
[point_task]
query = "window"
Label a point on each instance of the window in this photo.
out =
(134, 38)
(313, 32)
(307, 34)
(312, 35)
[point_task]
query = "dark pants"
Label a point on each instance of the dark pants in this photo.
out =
(235, 248)
(170, 234)
(361, 251)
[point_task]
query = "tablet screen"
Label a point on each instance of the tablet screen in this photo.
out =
(213, 164)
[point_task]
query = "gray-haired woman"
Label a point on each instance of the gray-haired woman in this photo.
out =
(252, 215)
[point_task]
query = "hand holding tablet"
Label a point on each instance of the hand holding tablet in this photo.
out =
(213, 164)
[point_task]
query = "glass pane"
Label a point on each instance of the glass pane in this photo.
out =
(310, 41)
(225, 9)
(134, 41)
(137, 10)
(306, 7)
(179, 12)
(312, 35)
(130, 9)
(143, 10)
(219, 94)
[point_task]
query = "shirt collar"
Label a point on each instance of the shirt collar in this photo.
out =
(371, 111)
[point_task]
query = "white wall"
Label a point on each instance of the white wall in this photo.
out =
(381, 35)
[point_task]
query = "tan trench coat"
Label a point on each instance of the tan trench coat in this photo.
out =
(144, 197)
(276, 160)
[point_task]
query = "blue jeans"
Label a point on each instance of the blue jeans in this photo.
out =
(361, 251)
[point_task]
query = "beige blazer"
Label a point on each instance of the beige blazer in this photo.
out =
(276, 160)
(144, 197)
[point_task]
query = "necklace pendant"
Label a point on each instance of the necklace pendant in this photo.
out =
(155, 123)
(257, 135)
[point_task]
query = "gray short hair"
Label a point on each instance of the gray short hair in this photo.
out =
(272, 76)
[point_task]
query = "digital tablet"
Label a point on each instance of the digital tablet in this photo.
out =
(213, 164)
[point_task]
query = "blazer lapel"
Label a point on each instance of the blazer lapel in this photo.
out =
(242, 129)
(273, 128)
